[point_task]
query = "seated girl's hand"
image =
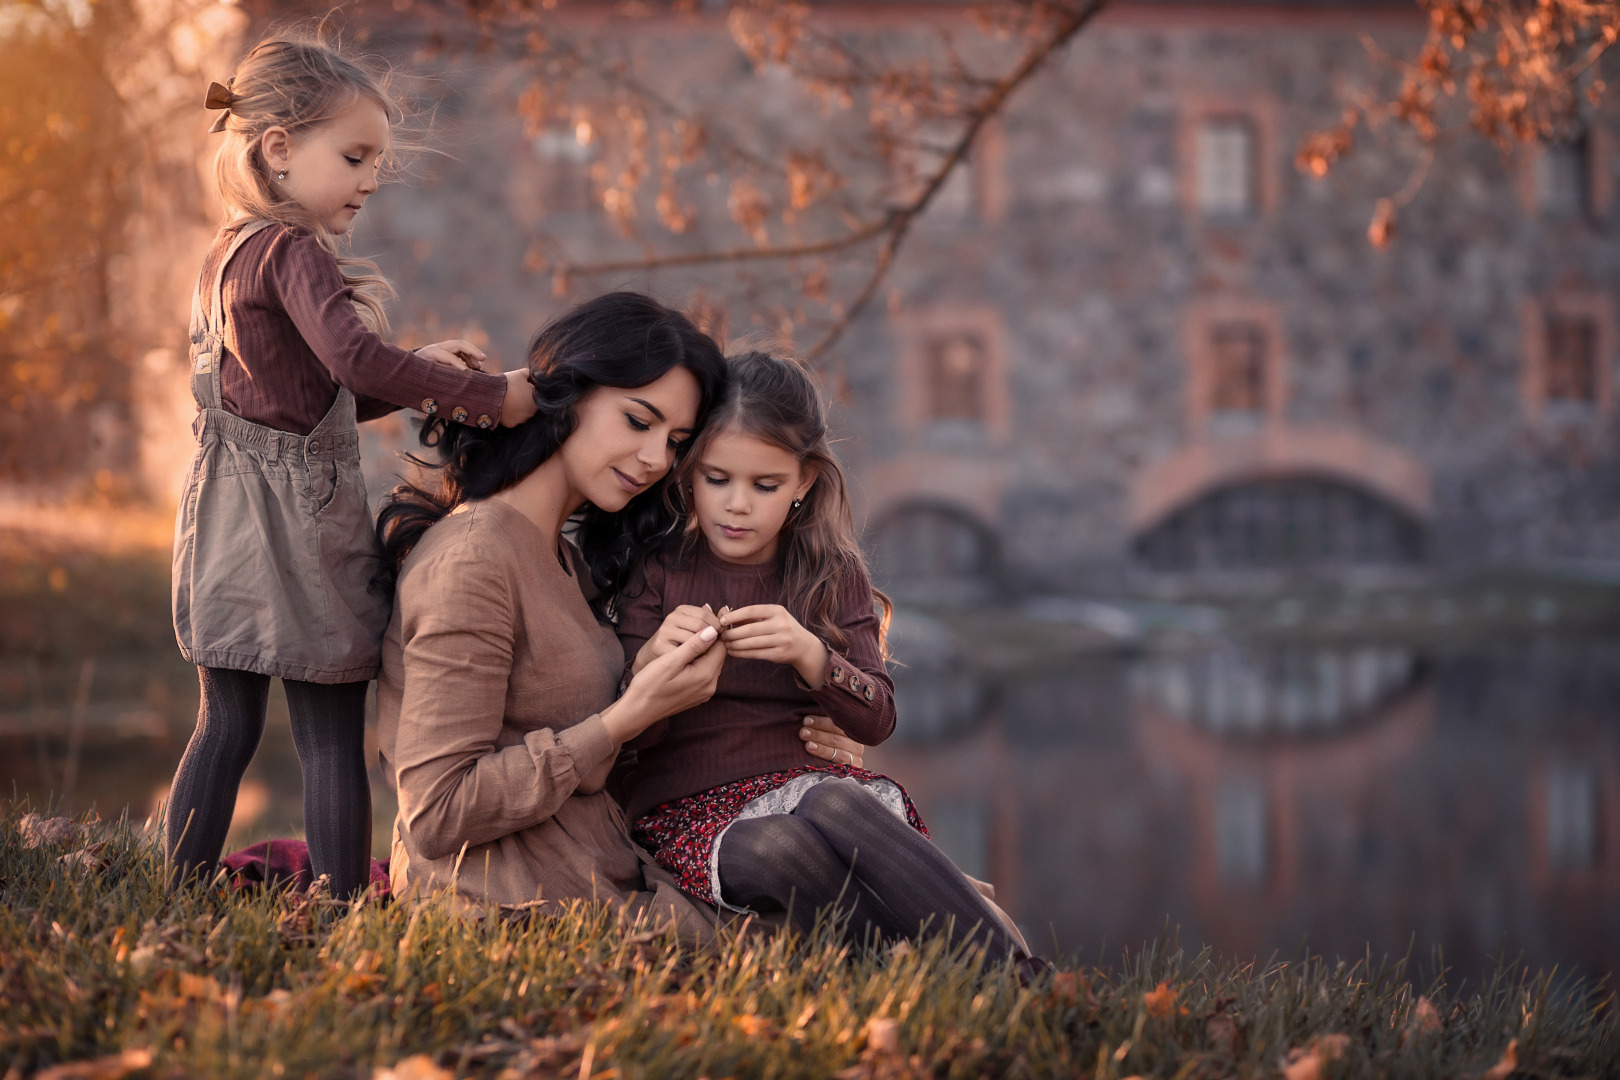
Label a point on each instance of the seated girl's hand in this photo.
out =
(678, 626)
(826, 740)
(770, 632)
(454, 353)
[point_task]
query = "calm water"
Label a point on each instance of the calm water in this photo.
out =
(1252, 797)
(1346, 796)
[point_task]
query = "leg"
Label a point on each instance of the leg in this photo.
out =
(900, 866)
(329, 728)
(778, 862)
(230, 722)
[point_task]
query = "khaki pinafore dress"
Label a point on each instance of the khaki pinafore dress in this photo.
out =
(274, 549)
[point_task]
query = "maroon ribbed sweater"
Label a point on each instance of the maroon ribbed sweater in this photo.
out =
(292, 337)
(750, 726)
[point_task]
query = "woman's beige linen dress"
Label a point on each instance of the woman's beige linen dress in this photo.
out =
(494, 671)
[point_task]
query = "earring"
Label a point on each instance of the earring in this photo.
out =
(797, 503)
(282, 175)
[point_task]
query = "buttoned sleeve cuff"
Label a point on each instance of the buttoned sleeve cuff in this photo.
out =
(473, 398)
(860, 704)
(588, 743)
(841, 675)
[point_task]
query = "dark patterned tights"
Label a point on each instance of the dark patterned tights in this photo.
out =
(328, 727)
(842, 848)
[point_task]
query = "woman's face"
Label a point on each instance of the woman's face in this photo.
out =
(625, 440)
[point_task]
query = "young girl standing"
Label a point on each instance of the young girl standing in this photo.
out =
(274, 549)
(719, 793)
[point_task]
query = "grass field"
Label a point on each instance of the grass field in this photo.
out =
(104, 974)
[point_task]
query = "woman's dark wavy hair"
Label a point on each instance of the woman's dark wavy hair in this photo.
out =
(622, 339)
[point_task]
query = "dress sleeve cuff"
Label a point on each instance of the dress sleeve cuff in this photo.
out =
(588, 744)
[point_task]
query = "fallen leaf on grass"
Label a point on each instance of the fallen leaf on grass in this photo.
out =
(39, 831)
(1306, 1064)
(1070, 987)
(1223, 1035)
(198, 987)
(415, 1067)
(883, 1036)
(112, 1067)
(1161, 1001)
(1504, 1068)
(91, 857)
(1425, 1019)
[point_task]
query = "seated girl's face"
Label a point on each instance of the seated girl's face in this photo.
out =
(625, 439)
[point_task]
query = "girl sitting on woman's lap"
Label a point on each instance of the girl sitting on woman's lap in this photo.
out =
(721, 793)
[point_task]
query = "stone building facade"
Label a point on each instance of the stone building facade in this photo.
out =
(1135, 345)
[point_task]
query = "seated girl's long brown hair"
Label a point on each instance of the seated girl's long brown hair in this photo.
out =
(774, 399)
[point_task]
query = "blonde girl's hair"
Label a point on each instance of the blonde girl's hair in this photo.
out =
(296, 81)
(774, 399)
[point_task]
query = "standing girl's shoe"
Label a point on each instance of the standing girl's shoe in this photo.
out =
(274, 549)
(720, 793)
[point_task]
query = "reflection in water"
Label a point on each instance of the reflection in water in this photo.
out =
(1235, 690)
(1351, 797)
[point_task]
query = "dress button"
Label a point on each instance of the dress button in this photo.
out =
(429, 406)
(868, 691)
(838, 674)
(854, 684)
(459, 415)
(485, 422)
(314, 446)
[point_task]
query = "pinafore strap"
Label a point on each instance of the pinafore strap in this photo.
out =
(208, 327)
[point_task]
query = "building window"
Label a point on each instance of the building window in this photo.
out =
(1562, 174)
(951, 391)
(1226, 167)
(955, 377)
(1571, 372)
(1569, 348)
(1572, 806)
(1301, 523)
(1237, 378)
(565, 181)
(933, 552)
(974, 188)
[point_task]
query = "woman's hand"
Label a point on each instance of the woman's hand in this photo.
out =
(678, 626)
(463, 355)
(681, 678)
(770, 632)
(826, 740)
(518, 405)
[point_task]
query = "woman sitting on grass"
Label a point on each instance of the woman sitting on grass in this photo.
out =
(498, 707)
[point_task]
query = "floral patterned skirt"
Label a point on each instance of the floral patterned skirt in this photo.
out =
(684, 835)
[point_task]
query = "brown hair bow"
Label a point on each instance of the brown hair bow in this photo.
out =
(220, 97)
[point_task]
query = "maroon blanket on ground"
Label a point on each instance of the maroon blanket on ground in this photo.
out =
(285, 864)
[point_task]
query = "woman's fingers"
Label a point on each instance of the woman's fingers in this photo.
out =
(826, 740)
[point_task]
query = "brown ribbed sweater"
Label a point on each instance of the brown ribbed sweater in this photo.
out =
(292, 337)
(750, 726)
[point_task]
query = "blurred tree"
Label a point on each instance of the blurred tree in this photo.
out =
(88, 99)
(807, 182)
(1523, 71)
(63, 201)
